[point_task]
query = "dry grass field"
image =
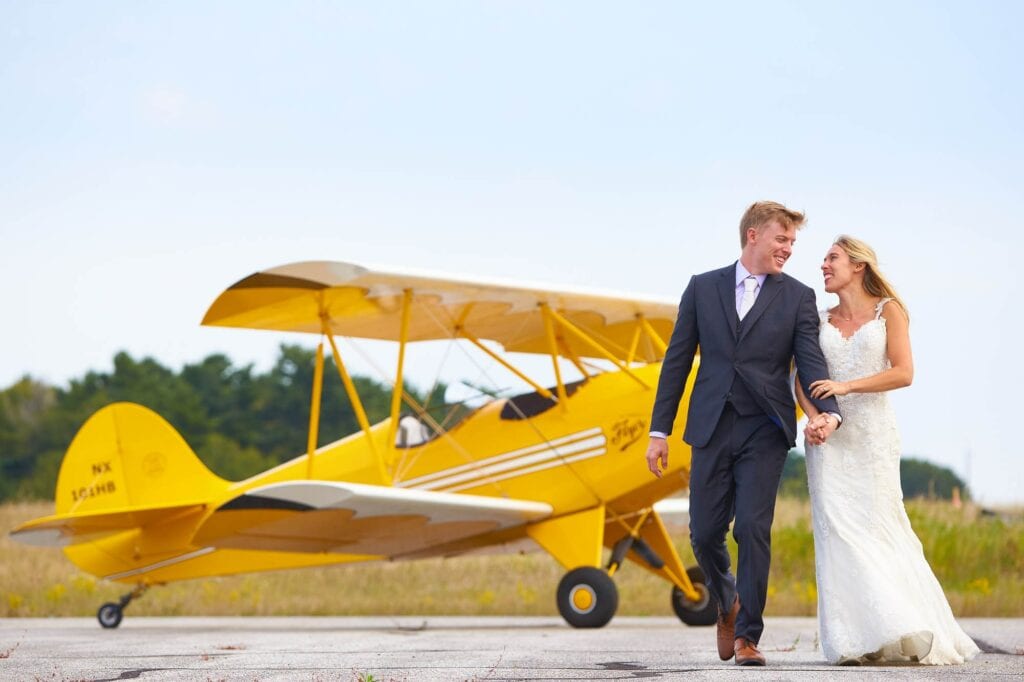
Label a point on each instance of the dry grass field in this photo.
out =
(978, 558)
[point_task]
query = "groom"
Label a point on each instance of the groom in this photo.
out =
(750, 322)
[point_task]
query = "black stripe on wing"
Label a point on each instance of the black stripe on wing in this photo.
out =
(258, 502)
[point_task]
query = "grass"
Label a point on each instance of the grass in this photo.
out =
(978, 559)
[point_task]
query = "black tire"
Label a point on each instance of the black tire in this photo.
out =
(587, 597)
(701, 612)
(110, 615)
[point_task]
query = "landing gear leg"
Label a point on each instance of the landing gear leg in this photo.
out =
(110, 614)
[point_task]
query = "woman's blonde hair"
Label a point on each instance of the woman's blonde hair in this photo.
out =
(874, 282)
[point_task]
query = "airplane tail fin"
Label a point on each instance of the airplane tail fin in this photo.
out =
(127, 456)
(126, 468)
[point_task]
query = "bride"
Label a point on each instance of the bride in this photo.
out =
(878, 600)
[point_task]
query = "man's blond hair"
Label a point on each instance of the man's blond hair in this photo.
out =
(761, 213)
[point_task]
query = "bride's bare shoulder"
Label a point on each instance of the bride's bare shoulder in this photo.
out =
(890, 309)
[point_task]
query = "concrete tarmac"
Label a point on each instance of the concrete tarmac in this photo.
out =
(446, 648)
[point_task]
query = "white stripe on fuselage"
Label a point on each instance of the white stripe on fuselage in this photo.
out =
(160, 564)
(571, 448)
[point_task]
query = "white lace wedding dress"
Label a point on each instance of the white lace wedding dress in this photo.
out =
(878, 599)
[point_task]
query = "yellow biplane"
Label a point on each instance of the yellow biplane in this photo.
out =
(561, 466)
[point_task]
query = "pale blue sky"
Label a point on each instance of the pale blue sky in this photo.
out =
(154, 153)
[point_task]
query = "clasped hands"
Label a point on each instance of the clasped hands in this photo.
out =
(819, 428)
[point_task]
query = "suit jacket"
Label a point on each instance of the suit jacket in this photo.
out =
(781, 326)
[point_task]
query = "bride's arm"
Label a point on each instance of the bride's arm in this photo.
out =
(900, 374)
(805, 403)
(812, 431)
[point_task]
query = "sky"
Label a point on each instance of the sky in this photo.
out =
(151, 154)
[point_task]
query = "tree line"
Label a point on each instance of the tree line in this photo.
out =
(919, 478)
(240, 422)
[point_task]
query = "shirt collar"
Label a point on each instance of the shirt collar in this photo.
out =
(742, 274)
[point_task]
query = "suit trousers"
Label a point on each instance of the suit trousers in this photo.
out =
(736, 476)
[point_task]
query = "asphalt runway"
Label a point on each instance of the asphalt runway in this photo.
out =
(445, 648)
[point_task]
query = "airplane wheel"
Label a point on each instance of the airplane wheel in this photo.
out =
(704, 611)
(110, 615)
(587, 597)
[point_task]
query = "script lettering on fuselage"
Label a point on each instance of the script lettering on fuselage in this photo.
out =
(627, 431)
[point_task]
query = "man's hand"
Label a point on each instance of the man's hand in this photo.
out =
(657, 451)
(819, 428)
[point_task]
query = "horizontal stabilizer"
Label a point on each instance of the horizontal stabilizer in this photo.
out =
(352, 518)
(61, 530)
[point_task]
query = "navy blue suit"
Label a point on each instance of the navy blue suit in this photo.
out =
(741, 420)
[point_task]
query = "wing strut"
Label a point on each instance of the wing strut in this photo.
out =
(314, 408)
(549, 330)
(636, 340)
(357, 404)
(396, 392)
(464, 333)
(658, 342)
(585, 338)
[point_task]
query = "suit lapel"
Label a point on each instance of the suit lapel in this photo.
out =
(769, 290)
(727, 294)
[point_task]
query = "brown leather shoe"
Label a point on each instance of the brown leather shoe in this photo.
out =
(727, 630)
(747, 653)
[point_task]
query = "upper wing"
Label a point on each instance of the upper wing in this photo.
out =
(362, 303)
(353, 518)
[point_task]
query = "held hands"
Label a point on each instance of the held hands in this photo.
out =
(819, 428)
(657, 451)
(826, 387)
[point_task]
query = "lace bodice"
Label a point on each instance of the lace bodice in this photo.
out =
(860, 355)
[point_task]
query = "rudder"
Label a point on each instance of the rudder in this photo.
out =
(127, 455)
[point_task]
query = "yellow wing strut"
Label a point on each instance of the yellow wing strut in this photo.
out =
(357, 404)
(396, 393)
(549, 330)
(579, 334)
(314, 411)
(464, 333)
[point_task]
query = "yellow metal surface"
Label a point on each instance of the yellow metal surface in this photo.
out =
(549, 332)
(136, 504)
(583, 598)
(574, 539)
(656, 536)
(463, 333)
(659, 343)
(634, 343)
(314, 410)
(363, 303)
(151, 492)
(357, 407)
(403, 339)
(596, 346)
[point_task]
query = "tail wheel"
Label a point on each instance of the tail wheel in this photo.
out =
(587, 597)
(704, 611)
(110, 615)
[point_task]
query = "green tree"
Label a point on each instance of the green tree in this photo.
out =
(924, 479)
(794, 476)
(918, 478)
(23, 409)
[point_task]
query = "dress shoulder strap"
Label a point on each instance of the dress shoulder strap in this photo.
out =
(878, 308)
